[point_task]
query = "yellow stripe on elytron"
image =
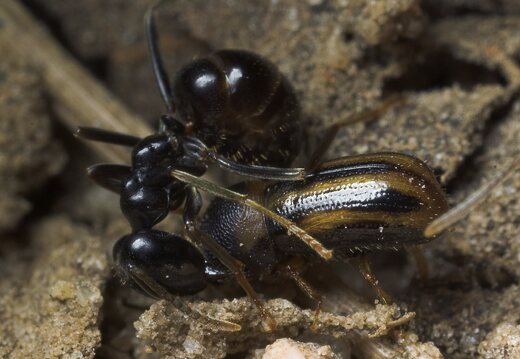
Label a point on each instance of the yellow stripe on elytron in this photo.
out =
(406, 185)
(331, 220)
(406, 162)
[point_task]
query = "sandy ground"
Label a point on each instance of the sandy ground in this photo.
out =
(455, 62)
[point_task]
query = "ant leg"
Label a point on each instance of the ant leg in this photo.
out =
(255, 171)
(222, 192)
(292, 270)
(366, 271)
(161, 77)
(421, 262)
(155, 290)
(100, 135)
(192, 208)
(109, 176)
(461, 210)
(196, 146)
(364, 116)
(135, 306)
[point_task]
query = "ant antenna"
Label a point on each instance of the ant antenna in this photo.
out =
(161, 77)
(461, 210)
(100, 135)
(155, 290)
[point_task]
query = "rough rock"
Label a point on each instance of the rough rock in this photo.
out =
(502, 343)
(50, 304)
(290, 349)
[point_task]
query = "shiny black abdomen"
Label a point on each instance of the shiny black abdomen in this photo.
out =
(242, 106)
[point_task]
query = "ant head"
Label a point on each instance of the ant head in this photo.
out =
(157, 149)
(170, 261)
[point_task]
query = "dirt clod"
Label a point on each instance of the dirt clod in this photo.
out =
(175, 334)
(287, 348)
(502, 343)
(50, 303)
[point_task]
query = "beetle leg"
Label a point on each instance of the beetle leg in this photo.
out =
(421, 262)
(192, 208)
(364, 116)
(100, 135)
(366, 271)
(292, 270)
(237, 268)
(109, 176)
(222, 192)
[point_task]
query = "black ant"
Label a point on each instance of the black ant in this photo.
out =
(232, 108)
(236, 110)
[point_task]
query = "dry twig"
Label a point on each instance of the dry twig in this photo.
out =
(76, 96)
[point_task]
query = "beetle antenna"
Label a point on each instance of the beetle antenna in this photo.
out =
(161, 77)
(461, 210)
(230, 195)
